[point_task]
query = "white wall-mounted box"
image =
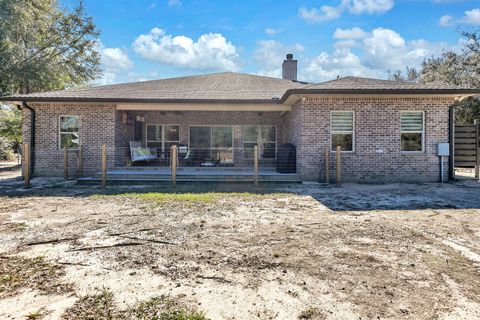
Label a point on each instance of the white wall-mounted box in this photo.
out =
(443, 149)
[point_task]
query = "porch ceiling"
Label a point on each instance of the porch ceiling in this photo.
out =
(203, 107)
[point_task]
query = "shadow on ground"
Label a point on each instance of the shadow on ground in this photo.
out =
(348, 197)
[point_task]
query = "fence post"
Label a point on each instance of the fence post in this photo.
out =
(255, 164)
(80, 161)
(477, 152)
(104, 165)
(26, 165)
(339, 165)
(327, 165)
(65, 162)
(173, 164)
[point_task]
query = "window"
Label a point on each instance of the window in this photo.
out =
(342, 130)
(263, 136)
(213, 142)
(412, 131)
(69, 136)
(162, 137)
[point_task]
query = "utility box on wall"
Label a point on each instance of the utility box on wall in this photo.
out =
(443, 149)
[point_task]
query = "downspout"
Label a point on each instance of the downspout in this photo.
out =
(32, 136)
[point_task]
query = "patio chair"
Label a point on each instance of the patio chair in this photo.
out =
(196, 157)
(139, 154)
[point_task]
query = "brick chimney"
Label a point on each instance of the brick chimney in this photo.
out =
(289, 68)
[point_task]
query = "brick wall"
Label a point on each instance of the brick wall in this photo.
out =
(97, 126)
(377, 156)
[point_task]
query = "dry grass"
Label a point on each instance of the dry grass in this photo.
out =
(101, 306)
(187, 197)
(36, 273)
(164, 308)
(37, 315)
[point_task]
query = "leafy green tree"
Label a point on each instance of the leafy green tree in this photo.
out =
(460, 69)
(45, 47)
(10, 130)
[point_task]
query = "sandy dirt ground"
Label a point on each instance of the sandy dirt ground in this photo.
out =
(9, 170)
(398, 251)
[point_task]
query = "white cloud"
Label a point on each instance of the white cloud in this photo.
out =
(210, 52)
(370, 6)
(114, 61)
(270, 54)
(472, 17)
(445, 21)
(327, 66)
(271, 31)
(116, 58)
(369, 54)
(353, 33)
(326, 13)
(174, 3)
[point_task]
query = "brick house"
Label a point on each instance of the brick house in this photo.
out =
(388, 131)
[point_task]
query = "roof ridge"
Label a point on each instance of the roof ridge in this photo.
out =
(161, 79)
(360, 78)
(192, 76)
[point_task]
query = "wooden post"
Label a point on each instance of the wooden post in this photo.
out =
(339, 165)
(104, 165)
(255, 164)
(477, 146)
(173, 164)
(80, 161)
(327, 165)
(26, 165)
(65, 162)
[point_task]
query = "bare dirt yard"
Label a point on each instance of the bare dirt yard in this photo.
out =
(398, 251)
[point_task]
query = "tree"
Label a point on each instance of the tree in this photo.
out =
(459, 69)
(10, 130)
(412, 75)
(44, 47)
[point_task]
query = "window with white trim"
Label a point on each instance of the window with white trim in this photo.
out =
(342, 130)
(69, 132)
(263, 136)
(162, 137)
(412, 131)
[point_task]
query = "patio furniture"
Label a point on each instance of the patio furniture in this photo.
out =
(140, 154)
(198, 157)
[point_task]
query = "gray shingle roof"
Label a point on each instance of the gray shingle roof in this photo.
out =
(218, 86)
(359, 83)
(231, 87)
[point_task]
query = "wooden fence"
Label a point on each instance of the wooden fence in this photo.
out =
(467, 139)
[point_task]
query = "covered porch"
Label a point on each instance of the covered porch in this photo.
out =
(218, 138)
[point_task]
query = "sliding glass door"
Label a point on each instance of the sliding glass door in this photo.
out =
(214, 143)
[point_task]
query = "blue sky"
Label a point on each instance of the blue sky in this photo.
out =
(142, 40)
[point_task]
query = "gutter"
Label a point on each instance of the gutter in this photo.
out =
(140, 100)
(380, 91)
(32, 135)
